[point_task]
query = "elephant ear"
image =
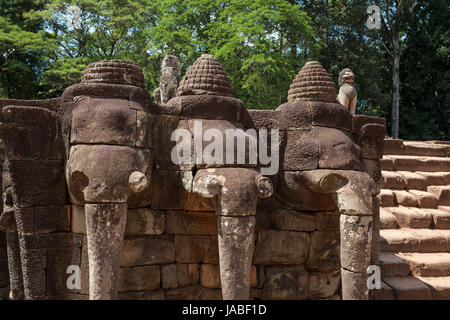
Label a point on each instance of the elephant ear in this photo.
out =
(35, 153)
(30, 133)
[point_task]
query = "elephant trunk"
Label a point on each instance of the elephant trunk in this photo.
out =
(105, 225)
(237, 191)
(235, 251)
(353, 191)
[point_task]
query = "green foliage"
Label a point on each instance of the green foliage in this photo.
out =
(262, 44)
(425, 95)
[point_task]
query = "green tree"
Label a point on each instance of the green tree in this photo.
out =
(425, 70)
(23, 46)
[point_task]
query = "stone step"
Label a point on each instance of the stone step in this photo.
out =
(441, 218)
(444, 208)
(414, 240)
(393, 265)
(440, 287)
(414, 148)
(415, 288)
(387, 198)
(413, 180)
(392, 180)
(435, 178)
(408, 288)
(425, 199)
(442, 193)
(409, 217)
(423, 264)
(387, 220)
(417, 163)
(406, 199)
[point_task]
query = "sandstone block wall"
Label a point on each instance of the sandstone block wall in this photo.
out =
(173, 254)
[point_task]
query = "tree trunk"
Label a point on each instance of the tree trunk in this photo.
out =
(395, 86)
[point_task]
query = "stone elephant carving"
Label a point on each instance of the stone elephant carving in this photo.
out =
(90, 144)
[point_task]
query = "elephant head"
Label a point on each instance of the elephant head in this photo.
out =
(206, 100)
(109, 166)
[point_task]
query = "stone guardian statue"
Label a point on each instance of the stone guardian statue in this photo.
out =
(347, 92)
(170, 77)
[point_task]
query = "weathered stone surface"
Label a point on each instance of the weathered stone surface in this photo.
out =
(294, 115)
(191, 249)
(103, 121)
(205, 107)
(323, 284)
(408, 288)
(49, 240)
(105, 225)
(332, 115)
(354, 285)
(169, 279)
(375, 243)
(298, 151)
(139, 251)
(43, 219)
(48, 187)
(210, 276)
(425, 199)
(139, 278)
(285, 282)
(359, 120)
(205, 76)
(404, 198)
(324, 251)
(58, 260)
(14, 263)
(373, 168)
(327, 220)
(237, 189)
(411, 217)
(194, 293)
(34, 264)
(157, 294)
(188, 274)
(281, 247)
(266, 119)
(236, 247)
(293, 220)
(387, 198)
(171, 192)
(393, 146)
(114, 165)
(190, 222)
(145, 221)
(312, 83)
(337, 149)
(293, 193)
(356, 240)
(29, 133)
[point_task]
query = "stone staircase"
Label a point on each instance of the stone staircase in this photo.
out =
(415, 220)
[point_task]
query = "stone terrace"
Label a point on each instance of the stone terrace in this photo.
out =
(415, 220)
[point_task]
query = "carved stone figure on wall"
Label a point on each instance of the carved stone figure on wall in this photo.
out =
(347, 92)
(168, 83)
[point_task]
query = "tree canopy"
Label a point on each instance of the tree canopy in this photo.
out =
(262, 44)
